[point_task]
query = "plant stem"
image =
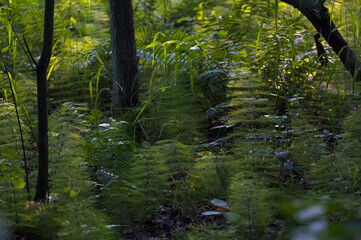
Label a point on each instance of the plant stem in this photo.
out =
(20, 129)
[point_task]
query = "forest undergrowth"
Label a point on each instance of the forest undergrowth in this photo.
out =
(239, 132)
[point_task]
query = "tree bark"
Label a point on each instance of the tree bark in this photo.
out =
(124, 58)
(319, 16)
(41, 71)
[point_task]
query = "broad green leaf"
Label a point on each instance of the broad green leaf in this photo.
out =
(219, 203)
(153, 45)
(282, 155)
(121, 123)
(18, 183)
(99, 59)
(72, 193)
(243, 54)
(73, 21)
(52, 67)
(104, 129)
(223, 33)
(211, 213)
(170, 42)
(5, 49)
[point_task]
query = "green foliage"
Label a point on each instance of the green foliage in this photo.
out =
(233, 106)
(71, 199)
(252, 202)
(10, 158)
(324, 218)
(340, 170)
(69, 213)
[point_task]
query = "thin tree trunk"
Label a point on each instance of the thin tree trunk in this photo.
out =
(124, 56)
(319, 16)
(41, 71)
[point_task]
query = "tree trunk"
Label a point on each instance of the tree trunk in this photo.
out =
(124, 56)
(41, 71)
(319, 16)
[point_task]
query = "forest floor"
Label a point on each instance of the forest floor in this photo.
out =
(238, 132)
(241, 169)
(232, 171)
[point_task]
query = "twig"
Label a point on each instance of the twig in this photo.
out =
(20, 129)
(29, 53)
(26, 49)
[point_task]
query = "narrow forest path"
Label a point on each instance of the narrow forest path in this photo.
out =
(253, 145)
(243, 154)
(226, 152)
(247, 142)
(237, 152)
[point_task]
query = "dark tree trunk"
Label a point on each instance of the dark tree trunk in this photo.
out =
(123, 53)
(322, 56)
(41, 71)
(318, 15)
